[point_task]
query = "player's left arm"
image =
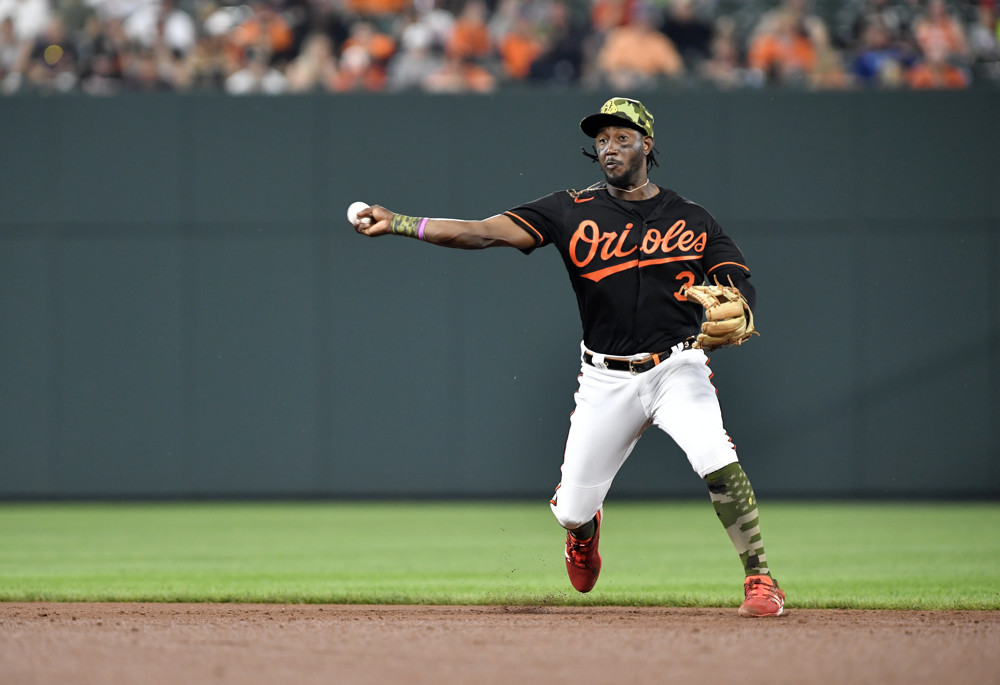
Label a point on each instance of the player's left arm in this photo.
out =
(725, 264)
(737, 276)
(729, 298)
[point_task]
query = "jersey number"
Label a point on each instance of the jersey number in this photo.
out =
(688, 279)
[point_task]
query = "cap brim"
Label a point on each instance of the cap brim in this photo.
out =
(593, 124)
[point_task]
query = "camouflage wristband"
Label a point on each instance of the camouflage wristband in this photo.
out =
(405, 225)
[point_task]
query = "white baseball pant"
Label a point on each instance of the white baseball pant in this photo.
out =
(614, 408)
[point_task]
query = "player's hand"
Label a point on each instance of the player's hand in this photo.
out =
(381, 221)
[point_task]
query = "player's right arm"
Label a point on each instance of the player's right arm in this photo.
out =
(496, 231)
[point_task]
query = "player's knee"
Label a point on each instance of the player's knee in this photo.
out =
(711, 463)
(572, 523)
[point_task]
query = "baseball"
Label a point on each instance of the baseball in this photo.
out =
(352, 214)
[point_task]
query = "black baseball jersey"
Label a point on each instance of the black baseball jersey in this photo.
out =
(628, 260)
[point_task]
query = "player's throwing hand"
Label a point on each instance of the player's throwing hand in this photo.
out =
(379, 220)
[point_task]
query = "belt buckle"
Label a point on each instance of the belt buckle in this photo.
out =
(631, 365)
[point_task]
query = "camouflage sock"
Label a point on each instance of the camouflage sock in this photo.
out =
(586, 531)
(736, 507)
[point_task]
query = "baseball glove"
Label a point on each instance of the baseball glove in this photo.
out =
(728, 319)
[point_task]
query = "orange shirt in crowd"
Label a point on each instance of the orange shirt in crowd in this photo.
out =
(518, 50)
(606, 14)
(264, 27)
(378, 45)
(941, 76)
(771, 51)
(470, 38)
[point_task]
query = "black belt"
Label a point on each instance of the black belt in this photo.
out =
(637, 366)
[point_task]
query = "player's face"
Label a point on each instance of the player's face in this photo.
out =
(622, 155)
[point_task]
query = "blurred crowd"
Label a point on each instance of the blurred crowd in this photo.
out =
(102, 47)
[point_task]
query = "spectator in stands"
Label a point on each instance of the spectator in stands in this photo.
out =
(689, 32)
(11, 55)
(781, 52)
(506, 13)
(29, 17)
(799, 11)
(984, 41)
(257, 76)
(103, 48)
(562, 55)
(109, 36)
(162, 22)
(52, 63)
(428, 30)
(415, 61)
(519, 48)
(935, 71)
(605, 17)
(322, 16)
(315, 69)
(207, 66)
(607, 14)
(379, 48)
(470, 36)
(879, 62)
(377, 8)
(460, 75)
(145, 73)
(636, 55)
(266, 30)
(438, 20)
(723, 68)
(76, 14)
(829, 72)
(939, 34)
(896, 19)
(102, 76)
(358, 71)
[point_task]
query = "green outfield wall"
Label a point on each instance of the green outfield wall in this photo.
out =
(185, 312)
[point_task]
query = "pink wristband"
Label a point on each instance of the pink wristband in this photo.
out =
(420, 229)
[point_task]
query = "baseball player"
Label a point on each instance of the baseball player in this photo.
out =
(638, 255)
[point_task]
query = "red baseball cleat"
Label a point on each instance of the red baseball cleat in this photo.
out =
(763, 597)
(583, 563)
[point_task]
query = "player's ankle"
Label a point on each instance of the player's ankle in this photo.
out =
(586, 531)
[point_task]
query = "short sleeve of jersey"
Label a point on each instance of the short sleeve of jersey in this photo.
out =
(541, 218)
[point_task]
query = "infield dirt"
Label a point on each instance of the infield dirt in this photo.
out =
(113, 644)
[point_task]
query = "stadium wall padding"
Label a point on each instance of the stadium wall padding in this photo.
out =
(186, 313)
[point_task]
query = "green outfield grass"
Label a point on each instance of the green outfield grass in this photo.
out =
(899, 556)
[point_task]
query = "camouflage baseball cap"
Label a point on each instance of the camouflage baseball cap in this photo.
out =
(619, 112)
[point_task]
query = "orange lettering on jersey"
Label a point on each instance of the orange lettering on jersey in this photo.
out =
(588, 241)
(650, 241)
(609, 238)
(588, 233)
(618, 248)
(684, 239)
(607, 271)
(673, 233)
